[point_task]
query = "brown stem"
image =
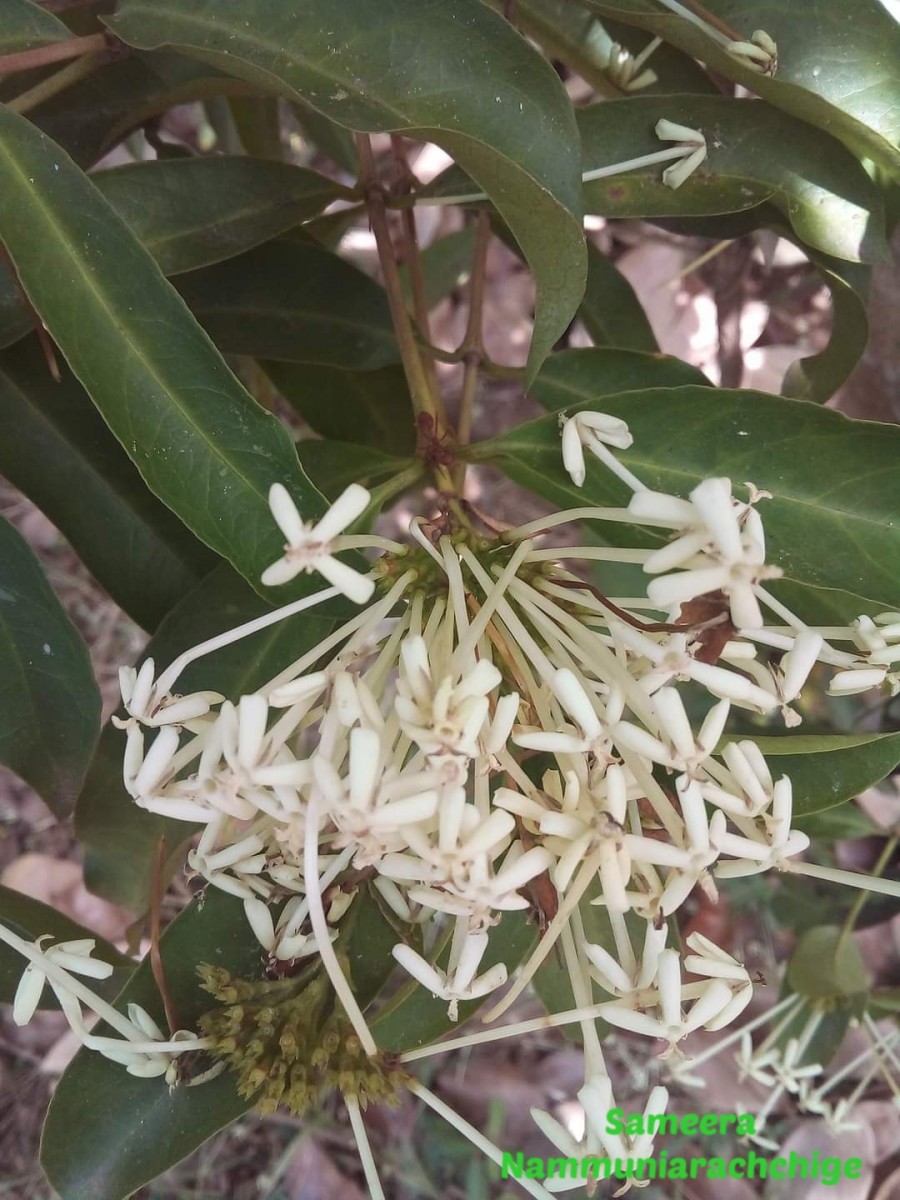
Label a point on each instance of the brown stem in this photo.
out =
(630, 618)
(473, 345)
(425, 401)
(488, 366)
(156, 963)
(43, 56)
(413, 259)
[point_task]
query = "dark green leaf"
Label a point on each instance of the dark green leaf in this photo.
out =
(120, 839)
(49, 702)
(257, 120)
(827, 769)
(820, 375)
(31, 919)
(578, 377)
(755, 155)
(55, 447)
(329, 138)
(842, 821)
(826, 965)
(371, 407)
(611, 312)
(93, 114)
(834, 481)
(837, 63)
(566, 30)
(446, 264)
(448, 71)
(198, 439)
(296, 302)
(107, 1132)
(333, 466)
(193, 212)
(26, 26)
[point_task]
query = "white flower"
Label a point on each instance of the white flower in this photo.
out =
(594, 430)
(145, 704)
(310, 545)
(694, 151)
(760, 53)
(462, 982)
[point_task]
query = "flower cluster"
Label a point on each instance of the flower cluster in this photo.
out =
(493, 732)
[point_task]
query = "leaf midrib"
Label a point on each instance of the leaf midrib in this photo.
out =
(138, 351)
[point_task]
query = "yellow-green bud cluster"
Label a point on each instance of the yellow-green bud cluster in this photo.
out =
(289, 1043)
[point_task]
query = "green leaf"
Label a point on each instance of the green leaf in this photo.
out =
(199, 440)
(819, 376)
(837, 63)
(447, 71)
(446, 264)
(257, 120)
(566, 30)
(54, 446)
(119, 838)
(333, 466)
(49, 702)
(414, 1017)
(31, 919)
(755, 155)
(192, 212)
(825, 965)
(834, 481)
(92, 115)
(329, 138)
(26, 27)
(842, 821)
(827, 769)
(293, 301)
(107, 1133)
(611, 312)
(370, 407)
(579, 377)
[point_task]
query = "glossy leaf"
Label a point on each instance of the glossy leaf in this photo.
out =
(834, 481)
(95, 113)
(107, 1132)
(446, 264)
(120, 839)
(191, 212)
(198, 439)
(31, 919)
(827, 769)
(611, 312)
(837, 63)
(329, 138)
(573, 377)
(568, 31)
(819, 376)
(49, 702)
(448, 71)
(55, 447)
(333, 466)
(25, 26)
(755, 155)
(293, 301)
(370, 407)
